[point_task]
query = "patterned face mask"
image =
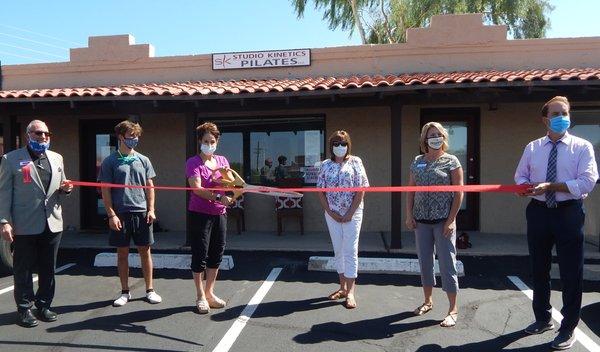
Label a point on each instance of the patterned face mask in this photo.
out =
(38, 147)
(435, 143)
(131, 142)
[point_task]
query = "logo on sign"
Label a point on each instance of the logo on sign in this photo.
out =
(262, 59)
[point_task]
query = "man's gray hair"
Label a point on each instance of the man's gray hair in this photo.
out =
(34, 122)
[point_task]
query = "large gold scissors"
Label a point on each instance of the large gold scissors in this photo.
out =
(231, 179)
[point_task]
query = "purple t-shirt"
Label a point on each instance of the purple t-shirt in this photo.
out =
(195, 168)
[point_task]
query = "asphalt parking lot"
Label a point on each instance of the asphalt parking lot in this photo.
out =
(289, 312)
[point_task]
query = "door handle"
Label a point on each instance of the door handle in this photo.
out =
(471, 177)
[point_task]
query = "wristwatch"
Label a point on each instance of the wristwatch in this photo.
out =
(218, 197)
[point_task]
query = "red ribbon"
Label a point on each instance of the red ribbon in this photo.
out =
(378, 189)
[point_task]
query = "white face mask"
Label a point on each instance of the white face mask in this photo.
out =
(340, 151)
(435, 143)
(208, 149)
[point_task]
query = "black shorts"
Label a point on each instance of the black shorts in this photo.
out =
(133, 225)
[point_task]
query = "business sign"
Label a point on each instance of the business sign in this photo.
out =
(261, 59)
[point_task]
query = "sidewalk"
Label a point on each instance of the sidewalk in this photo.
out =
(484, 244)
(491, 244)
(247, 241)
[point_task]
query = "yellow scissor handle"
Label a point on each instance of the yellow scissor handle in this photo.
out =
(231, 179)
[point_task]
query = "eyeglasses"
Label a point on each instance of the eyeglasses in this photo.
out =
(41, 133)
(337, 144)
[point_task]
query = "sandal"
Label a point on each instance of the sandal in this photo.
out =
(449, 321)
(203, 307)
(337, 295)
(350, 302)
(216, 302)
(423, 308)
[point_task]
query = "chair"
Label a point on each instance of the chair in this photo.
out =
(288, 206)
(237, 211)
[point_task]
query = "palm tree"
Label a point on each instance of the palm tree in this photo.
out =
(345, 14)
(387, 20)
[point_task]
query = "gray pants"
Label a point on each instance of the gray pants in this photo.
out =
(427, 238)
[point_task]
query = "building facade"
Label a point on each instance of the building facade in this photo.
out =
(487, 90)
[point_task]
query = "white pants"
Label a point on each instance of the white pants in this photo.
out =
(344, 237)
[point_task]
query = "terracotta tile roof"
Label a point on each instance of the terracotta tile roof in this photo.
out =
(310, 84)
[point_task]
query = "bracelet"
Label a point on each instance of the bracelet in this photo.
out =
(111, 216)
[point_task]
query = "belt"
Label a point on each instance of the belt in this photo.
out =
(563, 204)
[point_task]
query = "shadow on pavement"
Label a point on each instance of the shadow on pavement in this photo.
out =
(369, 329)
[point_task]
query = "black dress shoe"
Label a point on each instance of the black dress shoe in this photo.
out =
(539, 327)
(26, 319)
(47, 315)
(564, 340)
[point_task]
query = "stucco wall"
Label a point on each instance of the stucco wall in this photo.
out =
(163, 142)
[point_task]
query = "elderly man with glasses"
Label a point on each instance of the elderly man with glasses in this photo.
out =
(32, 184)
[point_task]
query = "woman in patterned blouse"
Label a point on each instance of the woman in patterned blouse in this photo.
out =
(433, 216)
(343, 210)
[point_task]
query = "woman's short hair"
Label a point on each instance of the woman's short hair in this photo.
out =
(340, 136)
(207, 127)
(123, 127)
(556, 99)
(423, 139)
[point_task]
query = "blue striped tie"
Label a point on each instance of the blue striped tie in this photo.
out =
(551, 176)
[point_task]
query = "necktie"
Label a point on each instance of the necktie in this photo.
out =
(551, 176)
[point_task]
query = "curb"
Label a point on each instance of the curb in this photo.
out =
(401, 266)
(160, 261)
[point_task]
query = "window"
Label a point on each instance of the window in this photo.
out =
(457, 141)
(586, 124)
(230, 145)
(283, 152)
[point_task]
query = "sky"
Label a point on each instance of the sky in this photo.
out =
(43, 31)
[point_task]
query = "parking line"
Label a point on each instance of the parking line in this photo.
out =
(234, 331)
(35, 277)
(587, 342)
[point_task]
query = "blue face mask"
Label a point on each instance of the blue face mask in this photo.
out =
(131, 142)
(559, 124)
(38, 147)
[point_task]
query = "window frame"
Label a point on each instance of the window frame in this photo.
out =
(585, 109)
(262, 124)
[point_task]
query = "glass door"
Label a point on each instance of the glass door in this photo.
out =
(97, 142)
(463, 133)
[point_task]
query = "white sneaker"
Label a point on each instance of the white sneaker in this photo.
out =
(153, 297)
(122, 300)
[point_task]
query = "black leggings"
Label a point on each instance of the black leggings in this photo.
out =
(208, 233)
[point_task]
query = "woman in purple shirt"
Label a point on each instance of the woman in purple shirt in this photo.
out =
(208, 216)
